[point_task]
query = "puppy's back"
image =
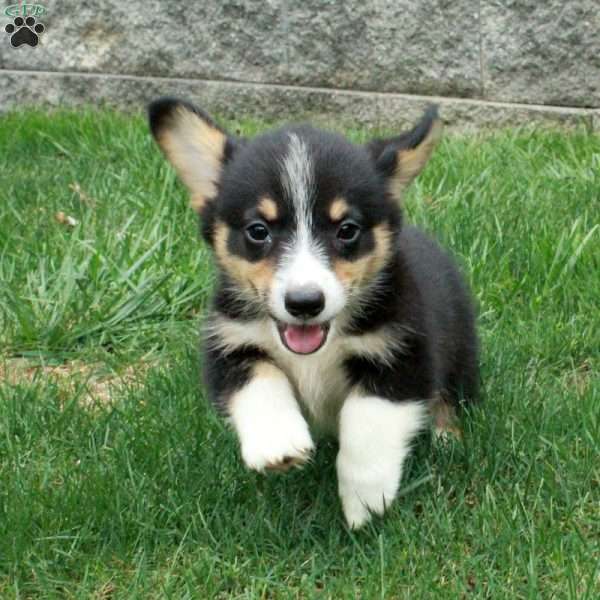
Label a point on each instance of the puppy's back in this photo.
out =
(448, 312)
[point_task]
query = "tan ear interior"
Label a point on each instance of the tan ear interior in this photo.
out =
(410, 162)
(196, 149)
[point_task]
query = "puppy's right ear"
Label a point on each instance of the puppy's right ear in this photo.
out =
(193, 144)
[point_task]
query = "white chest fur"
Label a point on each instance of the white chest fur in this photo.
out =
(320, 379)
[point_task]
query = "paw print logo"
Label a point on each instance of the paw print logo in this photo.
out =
(24, 31)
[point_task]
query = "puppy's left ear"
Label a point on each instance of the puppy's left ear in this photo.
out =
(194, 144)
(402, 158)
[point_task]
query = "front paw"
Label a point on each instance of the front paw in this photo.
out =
(364, 491)
(278, 444)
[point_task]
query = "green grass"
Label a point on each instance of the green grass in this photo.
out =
(146, 497)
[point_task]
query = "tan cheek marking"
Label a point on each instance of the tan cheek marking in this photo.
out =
(268, 209)
(251, 276)
(338, 209)
(353, 273)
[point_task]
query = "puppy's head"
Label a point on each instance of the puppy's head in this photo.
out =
(301, 221)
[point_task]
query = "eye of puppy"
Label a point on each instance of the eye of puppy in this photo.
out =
(348, 232)
(258, 233)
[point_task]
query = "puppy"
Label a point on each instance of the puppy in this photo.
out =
(327, 308)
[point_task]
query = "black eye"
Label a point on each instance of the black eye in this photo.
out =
(257, 233)
(348, 232)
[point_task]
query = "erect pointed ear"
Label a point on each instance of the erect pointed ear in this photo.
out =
(193, 144)
(402, 158)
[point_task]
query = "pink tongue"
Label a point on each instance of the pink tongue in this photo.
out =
(303, 339)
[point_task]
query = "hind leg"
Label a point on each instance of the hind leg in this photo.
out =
(461, 387)
(444, 417)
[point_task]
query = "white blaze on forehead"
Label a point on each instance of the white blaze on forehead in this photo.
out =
(298, 181)
(304, 262)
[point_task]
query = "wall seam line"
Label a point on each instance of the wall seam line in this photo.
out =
(584, 110)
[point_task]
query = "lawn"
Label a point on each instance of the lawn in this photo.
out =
(118, 481)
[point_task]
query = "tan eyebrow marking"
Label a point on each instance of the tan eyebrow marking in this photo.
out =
(338, 209)
(268, 209)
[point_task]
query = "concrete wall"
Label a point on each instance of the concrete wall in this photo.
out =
(487, 62)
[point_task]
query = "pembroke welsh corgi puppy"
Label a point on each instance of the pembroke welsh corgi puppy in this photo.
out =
(328, 311)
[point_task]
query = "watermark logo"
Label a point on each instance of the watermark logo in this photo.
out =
(25, 28)
(25, 10)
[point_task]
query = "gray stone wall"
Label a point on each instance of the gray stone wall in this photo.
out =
(487, 62)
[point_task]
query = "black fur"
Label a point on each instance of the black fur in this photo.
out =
(341, 169)
(424, 295)
(227, 372)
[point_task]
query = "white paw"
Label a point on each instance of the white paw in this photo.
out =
(364, 491)
(272, 431)
(278, 444)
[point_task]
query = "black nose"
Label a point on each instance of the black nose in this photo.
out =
(305, 302)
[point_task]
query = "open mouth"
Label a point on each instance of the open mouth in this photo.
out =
(303, 339)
